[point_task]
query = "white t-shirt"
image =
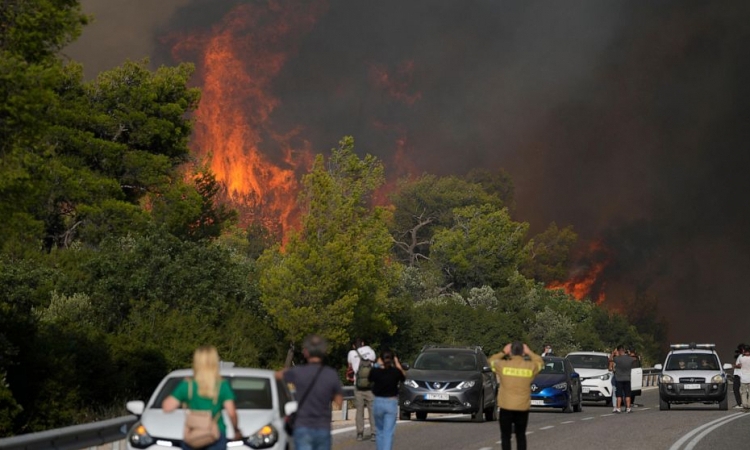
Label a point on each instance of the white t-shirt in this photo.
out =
(745, 369)
(353, 358)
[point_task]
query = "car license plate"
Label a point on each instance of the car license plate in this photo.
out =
(436, 397)
(691, 386)
(537, 403)
(586, 390)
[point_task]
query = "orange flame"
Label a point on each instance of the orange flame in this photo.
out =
(586, 282)
(237, 61)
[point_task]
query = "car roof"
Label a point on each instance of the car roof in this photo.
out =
(228, 372)
(692, 351)
(553, 358)
(589, 354)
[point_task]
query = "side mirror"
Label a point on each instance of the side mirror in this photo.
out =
(486, 369)
(290, 408)
(574, 375)
(135, 406)
(727, 366)
(658, 366)
(405, 366)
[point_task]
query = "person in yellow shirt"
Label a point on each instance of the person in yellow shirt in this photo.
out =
(515, 366)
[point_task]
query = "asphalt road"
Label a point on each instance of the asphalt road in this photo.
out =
(684, 427)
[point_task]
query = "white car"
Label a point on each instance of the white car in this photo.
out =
(261, 402)
(596, 378)
(693, 373)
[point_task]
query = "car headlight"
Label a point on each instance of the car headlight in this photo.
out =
(465, 384)
(717, 379)
(606, 376)
(139, 437)
(666, 379)
(561, 386)
(411, 383)
(266, 437)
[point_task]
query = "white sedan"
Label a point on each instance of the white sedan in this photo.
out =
(260, 399)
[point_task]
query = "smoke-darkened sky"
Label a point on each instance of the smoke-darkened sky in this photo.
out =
(628, 120)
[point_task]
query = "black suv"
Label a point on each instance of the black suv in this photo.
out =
(445, 379)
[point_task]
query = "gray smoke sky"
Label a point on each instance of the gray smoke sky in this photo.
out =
(626, 119)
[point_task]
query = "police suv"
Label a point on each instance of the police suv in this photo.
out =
(692, 373)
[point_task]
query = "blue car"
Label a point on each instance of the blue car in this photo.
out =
(557, 386)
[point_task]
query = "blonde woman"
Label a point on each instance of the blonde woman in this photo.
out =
(207, 385)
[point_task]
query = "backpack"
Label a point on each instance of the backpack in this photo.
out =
(363, 382)
(201, 428)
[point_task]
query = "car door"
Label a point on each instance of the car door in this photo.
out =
(636, 377)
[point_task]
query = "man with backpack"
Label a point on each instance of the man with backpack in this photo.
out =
(361, 358)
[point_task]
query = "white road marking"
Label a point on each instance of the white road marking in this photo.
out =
(709, 425)
(587, 418)
(697, 439)
(547, 427)
(569, 421)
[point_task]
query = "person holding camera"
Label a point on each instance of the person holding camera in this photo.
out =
(385, 376)
(360, 354)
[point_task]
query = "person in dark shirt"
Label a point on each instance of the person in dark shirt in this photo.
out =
(386, 376)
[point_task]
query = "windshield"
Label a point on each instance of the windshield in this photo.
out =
(553, 367)
(589, 361)
(249, 392)
(693, 361)
(446, 361)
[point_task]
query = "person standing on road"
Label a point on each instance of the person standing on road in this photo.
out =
(743, 363)
(363, 397)
(206, 391)
(312, 429)
(636, 363)
(386, 376)
(614, 380)
(623, 366)
(736, 383)
(515, 366)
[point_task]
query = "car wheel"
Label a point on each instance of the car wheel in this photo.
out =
(663, 405)
(478, 416)
(421, 415)
(568, 402)
(404, 415)
(578, 407)
(724, 404)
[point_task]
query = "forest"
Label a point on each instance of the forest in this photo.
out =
(119, 255)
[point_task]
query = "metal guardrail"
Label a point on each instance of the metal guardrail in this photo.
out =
(72, 438)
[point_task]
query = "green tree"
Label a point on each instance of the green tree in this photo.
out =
(550, 254)
(335, 276)
(426, 204)
(483, 247)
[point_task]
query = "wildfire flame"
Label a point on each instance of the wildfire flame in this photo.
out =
(236, 63)
(586, 281)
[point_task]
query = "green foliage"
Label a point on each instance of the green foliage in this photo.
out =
(496, 183)
(549, 254)
(334, 278)
(483, 247)
(426, 204)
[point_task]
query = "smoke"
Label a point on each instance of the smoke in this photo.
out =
(626, 119)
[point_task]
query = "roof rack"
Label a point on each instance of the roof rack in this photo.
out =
(476, 348)
(692, 346)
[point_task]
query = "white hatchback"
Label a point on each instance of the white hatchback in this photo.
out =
(596, 378)
(260, 398)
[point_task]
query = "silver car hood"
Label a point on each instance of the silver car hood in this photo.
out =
(170, 425)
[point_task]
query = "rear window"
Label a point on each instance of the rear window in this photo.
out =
(692, 361)
(446, 361)
(589, 361)
(250, 392)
